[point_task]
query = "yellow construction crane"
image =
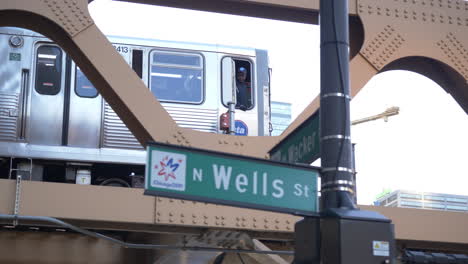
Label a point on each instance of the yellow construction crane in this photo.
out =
(391, 111)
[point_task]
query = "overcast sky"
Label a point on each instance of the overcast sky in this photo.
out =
(422, 149)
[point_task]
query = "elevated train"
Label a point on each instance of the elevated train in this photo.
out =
(54, 125)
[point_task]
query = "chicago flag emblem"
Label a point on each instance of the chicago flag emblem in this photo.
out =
(168, 171)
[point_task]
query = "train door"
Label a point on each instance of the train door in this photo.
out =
(244, 85)
(65, 107)
(84, 120)
(47, 96)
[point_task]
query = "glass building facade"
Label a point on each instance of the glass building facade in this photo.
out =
(280, 117)
(423, 200)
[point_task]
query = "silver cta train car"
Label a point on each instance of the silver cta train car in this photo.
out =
(55, 126)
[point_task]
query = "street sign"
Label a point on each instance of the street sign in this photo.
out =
(302, 145)
(214, 177)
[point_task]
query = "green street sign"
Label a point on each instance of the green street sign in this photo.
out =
(302, 145)
(214, 177)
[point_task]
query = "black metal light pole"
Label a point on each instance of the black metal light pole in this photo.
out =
(336, 148)
(342, 234)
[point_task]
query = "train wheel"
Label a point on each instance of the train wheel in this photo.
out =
(115, 182)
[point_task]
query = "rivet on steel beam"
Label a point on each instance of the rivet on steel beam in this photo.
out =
(194, 215)
(205, 222)
(170, 214)
(158, 213)
(181, 215)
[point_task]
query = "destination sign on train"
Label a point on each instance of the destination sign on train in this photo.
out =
(214, 177)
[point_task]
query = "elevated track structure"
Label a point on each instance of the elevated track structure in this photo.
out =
(385, 35)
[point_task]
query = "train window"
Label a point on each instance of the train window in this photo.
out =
(48, 70)
(177, 77)
(244, 87)
(83, 87)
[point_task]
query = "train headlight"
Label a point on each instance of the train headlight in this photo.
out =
(16, 41)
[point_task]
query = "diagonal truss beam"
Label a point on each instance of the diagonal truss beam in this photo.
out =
(386, 35)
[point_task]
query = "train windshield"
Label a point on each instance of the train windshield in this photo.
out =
(177, 77)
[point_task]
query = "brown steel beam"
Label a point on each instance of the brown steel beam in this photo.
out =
(426, 225)
(125, 209)
(294, 10)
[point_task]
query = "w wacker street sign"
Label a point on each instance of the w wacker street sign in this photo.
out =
(206, 176)
(302, 145)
